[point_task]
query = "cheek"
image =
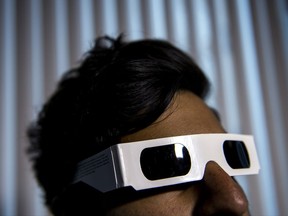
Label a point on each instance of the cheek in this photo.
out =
(172, 203)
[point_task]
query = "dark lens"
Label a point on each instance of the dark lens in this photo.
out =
(236, 154)
(165, 161)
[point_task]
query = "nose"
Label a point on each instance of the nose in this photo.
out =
(220, 194)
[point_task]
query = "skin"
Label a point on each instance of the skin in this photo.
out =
(216, 194)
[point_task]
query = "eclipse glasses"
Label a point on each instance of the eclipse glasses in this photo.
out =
(167, 161)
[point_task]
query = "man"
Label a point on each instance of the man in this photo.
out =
(121, 93)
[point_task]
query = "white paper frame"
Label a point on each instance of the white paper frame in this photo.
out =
(119, 166)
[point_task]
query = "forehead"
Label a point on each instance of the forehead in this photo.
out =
(187, 114)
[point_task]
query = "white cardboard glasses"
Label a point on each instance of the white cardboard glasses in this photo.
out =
(167, 161)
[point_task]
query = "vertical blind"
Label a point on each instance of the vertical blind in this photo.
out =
(242, 45)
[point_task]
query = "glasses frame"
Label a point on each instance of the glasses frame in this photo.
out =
(119, 165)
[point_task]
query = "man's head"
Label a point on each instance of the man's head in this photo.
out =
(124, 92)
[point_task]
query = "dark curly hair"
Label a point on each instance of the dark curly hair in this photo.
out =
(118, 88)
